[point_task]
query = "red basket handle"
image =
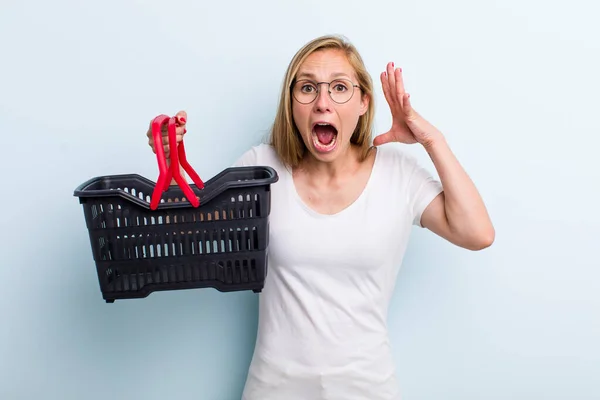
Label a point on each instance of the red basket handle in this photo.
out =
(177, 158)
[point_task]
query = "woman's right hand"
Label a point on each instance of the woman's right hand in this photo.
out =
(181, 120)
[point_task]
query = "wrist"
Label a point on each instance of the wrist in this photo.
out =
(434, 142)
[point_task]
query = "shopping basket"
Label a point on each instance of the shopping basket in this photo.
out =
(148, 236)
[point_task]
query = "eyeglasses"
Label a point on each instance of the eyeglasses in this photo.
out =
(340, 90)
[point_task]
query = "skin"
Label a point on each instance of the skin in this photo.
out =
(458, 214)
(328, 183)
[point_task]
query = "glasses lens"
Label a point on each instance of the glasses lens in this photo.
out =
(341, 90)
(305, 91)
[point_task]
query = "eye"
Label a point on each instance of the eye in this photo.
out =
(339, 86)
(307, 88)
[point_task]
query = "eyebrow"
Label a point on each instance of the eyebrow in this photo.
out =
(312, 76)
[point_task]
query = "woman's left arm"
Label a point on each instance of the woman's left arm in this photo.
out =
(458, 214)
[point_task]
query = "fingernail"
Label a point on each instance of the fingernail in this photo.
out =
(393, 64)
(182, 120)
(184, 130)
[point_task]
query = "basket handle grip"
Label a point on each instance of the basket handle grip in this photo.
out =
(177, 155)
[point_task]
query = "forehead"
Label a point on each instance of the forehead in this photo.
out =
(326, 64)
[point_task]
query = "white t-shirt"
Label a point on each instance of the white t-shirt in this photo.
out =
(322, 330)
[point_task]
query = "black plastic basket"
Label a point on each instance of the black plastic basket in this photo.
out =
(220, 244)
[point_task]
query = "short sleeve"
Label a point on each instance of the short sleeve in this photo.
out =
(248, 159)
(422, 189)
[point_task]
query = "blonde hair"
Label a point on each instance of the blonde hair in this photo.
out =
(285, 137)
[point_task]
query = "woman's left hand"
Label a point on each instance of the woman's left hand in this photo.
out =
(407, 125)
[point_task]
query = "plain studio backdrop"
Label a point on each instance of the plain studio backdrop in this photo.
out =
(512, 84)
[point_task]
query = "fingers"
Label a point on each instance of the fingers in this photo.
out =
(399, 82)
(150, 138)
(392, 81)
(386, 89)
(181, 117)
(383, 139)
(165, 138)
(180, 130)
(400, 92)
(393, 84)
(166, 149)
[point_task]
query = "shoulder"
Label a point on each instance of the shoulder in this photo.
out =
(403, 171)
(394, 160)
(262, 154)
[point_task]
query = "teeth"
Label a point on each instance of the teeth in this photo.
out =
(322, 146)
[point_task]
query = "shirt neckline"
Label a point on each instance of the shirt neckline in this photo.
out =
(359, 199)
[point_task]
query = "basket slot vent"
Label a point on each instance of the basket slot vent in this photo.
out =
(178, 244)
(244, 206)
(134, 279)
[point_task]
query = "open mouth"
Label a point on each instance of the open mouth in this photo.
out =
(324, 136)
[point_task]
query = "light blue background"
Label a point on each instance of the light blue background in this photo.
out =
(513, 84)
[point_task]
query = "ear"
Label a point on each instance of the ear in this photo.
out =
(364, 104)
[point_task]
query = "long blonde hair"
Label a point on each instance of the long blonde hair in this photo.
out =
(285, 137)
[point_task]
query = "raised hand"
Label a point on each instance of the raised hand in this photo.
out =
(181, 118)
(407, 125)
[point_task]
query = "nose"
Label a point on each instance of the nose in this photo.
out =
(323, 101)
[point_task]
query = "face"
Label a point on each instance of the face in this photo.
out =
(326, 126)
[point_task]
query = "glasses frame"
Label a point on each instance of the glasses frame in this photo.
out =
(318, 85)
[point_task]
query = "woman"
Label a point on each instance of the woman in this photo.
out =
(341, 216)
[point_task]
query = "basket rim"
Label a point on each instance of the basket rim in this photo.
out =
(211, 187)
